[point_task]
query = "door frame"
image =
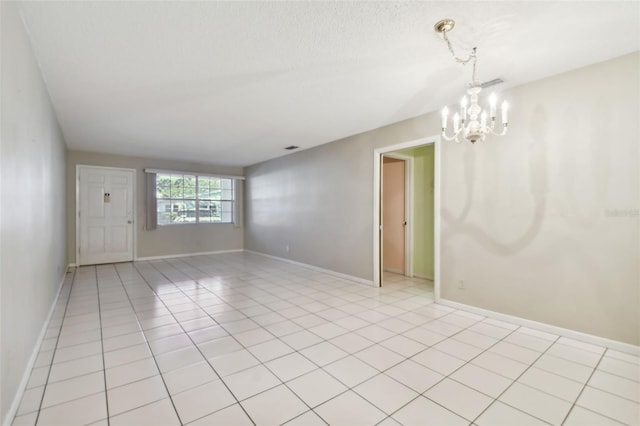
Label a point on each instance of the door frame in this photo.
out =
(408, 211)
(134, 203)
(377, 164)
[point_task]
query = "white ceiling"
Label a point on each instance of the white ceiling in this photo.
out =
(233, 83)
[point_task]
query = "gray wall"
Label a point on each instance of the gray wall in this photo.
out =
(319, 202)
(541, 223)
(32, 152)
(165, 240)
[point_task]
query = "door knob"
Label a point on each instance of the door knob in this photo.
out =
(129, 222)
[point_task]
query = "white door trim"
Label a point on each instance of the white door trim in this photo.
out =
(77, 216)
(408, 211)
(377, 153)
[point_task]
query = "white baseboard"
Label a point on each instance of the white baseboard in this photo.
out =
(423, 277)
(559, 331)
(171, 256)
(317, 268)
(15, 404)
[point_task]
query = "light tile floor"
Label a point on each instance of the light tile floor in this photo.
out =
(243, 339)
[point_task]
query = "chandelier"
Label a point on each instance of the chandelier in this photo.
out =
(472, 123)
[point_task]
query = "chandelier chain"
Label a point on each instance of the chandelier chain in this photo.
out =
(471, 58)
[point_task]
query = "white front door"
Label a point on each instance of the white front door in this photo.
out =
(105, 200)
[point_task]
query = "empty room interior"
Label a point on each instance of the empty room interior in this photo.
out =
(320, 213)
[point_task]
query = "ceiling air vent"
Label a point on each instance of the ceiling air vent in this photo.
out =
(493, 82)
(292, 147)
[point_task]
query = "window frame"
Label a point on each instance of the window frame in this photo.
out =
(232, 202)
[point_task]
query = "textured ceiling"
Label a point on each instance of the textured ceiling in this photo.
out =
(234, 83)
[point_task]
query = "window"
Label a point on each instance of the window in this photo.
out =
(184, 198)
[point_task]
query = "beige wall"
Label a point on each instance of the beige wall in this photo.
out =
(530, 222)
(165, 240)
(541, 223)
(32, 151)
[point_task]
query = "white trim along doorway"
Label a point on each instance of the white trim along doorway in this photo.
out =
(377, 207)
(105, 215)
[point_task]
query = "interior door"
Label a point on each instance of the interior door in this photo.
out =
(105, 200)
(393, 215)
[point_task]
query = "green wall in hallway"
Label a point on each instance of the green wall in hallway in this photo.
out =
(423, 256)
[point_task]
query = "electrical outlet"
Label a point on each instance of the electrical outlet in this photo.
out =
(461, 284)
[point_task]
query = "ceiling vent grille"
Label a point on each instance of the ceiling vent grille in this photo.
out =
(493, 82)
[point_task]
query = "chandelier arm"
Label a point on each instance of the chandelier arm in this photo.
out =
(451, 138)
(503, 132)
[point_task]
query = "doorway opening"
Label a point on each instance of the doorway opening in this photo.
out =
(406, 212)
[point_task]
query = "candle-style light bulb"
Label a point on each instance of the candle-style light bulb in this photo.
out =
(463, 108)
(505, 112)
(492, 105)
(456, 122)
(445, 115)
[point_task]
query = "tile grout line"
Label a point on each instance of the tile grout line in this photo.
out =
(379, 372)
(333, 306)
(260, 326)
(274, 295)
(66, 307)
(516, 381)
(595, 368)
(193, 342)
(259, 303)
(348, 388)
(448, 376)
(470, 362)
(451, 336)
(104, 367)
(383, 372)
(282, 382)
(378, 343)
(531, 365)
(267, 281)
(117, 272)
(319, 367)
